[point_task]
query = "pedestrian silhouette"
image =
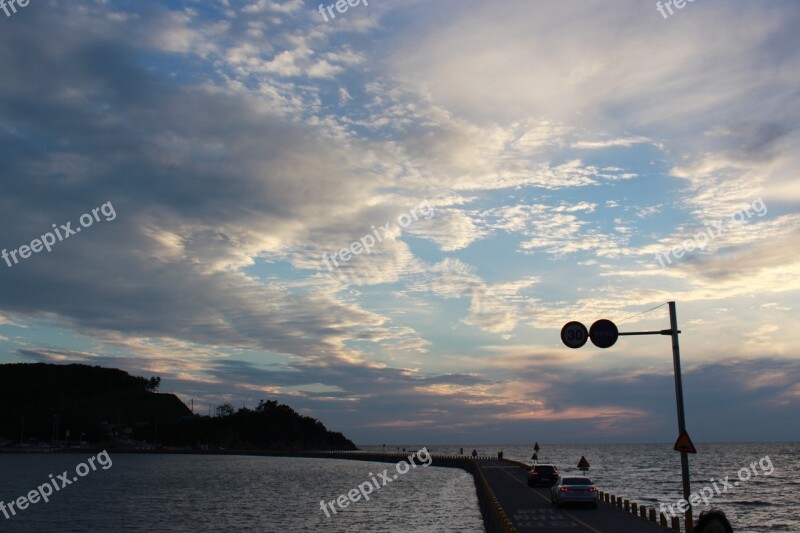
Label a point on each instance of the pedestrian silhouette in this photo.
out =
(474, 454)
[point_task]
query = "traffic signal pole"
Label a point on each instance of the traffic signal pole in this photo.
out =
(676, 360)
(673, 331)
(604, 334)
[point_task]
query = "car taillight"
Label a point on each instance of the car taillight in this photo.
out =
(534, 473)
(564, 489)
(593, 489)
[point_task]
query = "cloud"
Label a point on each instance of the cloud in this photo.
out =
(610, 143)
(240, 142)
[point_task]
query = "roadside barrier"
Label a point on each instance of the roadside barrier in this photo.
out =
(642, 511)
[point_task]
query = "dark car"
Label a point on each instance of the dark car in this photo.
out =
(543, 475)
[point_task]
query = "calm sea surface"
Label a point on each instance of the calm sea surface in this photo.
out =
(233, 493)
(266, 494)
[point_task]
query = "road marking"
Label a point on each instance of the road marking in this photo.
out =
(581, 522)
(541, 518)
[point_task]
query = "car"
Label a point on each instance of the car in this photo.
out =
(542, 475)
(573, 489)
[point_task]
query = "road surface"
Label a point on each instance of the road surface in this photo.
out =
(531, 511)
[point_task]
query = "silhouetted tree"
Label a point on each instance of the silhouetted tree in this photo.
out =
(152, 384)
(225, 409)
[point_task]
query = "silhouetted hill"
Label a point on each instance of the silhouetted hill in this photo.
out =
(91, 402)
(109, 405)
(270, 425)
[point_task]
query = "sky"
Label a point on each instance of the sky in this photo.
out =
(383, 217)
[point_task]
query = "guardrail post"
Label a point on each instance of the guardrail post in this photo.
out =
(652, 514)
(626, 504)
(664, 520)
(635, 508)
(676, 523)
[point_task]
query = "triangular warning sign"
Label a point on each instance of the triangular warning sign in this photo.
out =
(684, 444)
(583, 463)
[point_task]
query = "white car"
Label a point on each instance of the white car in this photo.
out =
(576, 489)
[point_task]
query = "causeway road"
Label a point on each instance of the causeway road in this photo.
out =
(531, 511)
